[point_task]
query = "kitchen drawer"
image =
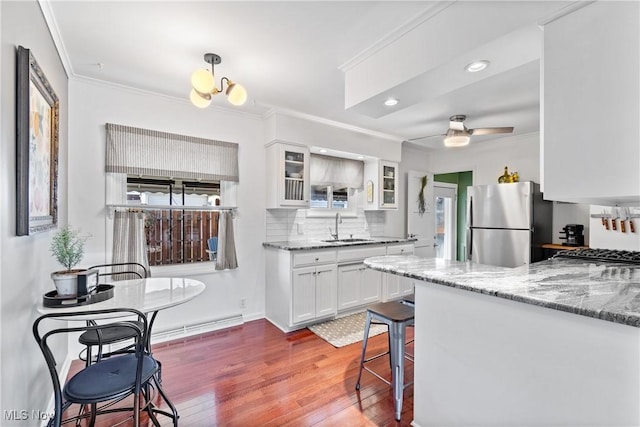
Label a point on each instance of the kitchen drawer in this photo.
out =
(360, 253)
(314, 257)
(400, 250)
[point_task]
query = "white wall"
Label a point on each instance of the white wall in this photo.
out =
(25, 264)
(91, 106)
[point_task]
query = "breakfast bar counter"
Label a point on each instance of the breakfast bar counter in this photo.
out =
(555, 343)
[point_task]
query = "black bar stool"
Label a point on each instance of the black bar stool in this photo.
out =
(397, 316)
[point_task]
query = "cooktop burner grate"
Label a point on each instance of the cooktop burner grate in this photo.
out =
(608, 255)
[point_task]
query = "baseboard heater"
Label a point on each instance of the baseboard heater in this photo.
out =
(197, 328)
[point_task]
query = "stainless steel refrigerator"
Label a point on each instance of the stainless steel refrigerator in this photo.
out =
(507, 223)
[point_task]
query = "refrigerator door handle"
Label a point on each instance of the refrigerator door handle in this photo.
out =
(470, 212)
(469, 243)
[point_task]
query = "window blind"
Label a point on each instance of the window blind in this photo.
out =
(148, 152)
(336, 171)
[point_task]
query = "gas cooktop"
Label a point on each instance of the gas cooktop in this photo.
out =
(608, 255)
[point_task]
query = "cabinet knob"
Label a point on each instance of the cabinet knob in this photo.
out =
(401, 251)
(317, 259)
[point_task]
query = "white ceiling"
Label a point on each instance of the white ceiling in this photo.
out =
(293, 56)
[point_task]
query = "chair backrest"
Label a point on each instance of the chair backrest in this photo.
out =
(122, 268)
(42, 338)
(213, 244)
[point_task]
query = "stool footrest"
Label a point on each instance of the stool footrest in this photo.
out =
(375, 374)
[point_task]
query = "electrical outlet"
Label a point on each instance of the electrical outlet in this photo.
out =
(243, 303)
(300, 227)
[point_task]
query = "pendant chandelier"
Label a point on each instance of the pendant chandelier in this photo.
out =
(203, 83)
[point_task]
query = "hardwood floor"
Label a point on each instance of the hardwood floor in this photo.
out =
(255, 375)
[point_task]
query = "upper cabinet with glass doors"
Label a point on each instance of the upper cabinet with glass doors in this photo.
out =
(287, 176)
(381, 185)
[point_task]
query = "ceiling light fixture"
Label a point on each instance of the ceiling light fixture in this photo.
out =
(476, 66)
(203, 84)
(456, 138)
(390, 102)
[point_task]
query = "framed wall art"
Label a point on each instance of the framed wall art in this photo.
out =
(36, 148)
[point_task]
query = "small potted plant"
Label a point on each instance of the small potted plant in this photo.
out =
(67, 247)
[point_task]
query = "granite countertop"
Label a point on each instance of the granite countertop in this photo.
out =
(607, 291)
(301, 245)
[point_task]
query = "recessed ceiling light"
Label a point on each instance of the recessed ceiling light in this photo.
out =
(390, 102)
(360, 157)
(476, 66)
(323, 151)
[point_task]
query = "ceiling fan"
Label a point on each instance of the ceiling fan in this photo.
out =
(459, 135)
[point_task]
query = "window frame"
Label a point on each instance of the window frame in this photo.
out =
(172, 187)
(350, 212)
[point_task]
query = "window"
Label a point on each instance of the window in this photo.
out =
(178, 227)
(330, 197)
(334, 181)
(176, 236)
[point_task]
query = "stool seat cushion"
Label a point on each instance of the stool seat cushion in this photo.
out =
(393, 311)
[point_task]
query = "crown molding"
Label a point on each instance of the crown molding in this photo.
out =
(570, 8)
(275, 110)
(433, 10)
(181, 100)
(52, 24)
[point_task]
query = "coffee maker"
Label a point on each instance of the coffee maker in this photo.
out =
(572, 233)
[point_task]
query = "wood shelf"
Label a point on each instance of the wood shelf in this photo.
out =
(560, 247)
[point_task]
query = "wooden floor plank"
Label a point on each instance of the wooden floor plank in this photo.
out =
(256, 375)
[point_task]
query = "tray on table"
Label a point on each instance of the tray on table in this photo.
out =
(102, 293)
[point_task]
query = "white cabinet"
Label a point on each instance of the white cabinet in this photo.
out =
(287, 175)
(394, 286)
(358, 286)
(313, 293)
(590, 105)
(301, 287)
(310, 286)
(381, 185)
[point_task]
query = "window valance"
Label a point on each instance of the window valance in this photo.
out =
(336, 171)
(148, 152)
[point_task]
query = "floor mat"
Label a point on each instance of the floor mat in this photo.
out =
(346, 330)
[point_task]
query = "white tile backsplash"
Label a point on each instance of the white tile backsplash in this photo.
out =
(295, 224)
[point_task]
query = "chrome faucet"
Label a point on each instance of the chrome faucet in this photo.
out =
(338, 221)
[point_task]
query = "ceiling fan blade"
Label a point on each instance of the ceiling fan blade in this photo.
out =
(490, 131)
(425, 137)
(456, 125)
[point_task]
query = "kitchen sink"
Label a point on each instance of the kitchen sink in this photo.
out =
(346, 240)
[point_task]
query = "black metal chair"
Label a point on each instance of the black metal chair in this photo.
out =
(115, 335)
(121, 268)
(106, 382)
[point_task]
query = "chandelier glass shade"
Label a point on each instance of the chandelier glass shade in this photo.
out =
(203, 85)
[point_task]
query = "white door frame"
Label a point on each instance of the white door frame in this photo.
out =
(452, 225)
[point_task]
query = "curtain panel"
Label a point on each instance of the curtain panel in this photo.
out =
(133, 150)
(336, 171)
(226, 257)
(129, 242)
